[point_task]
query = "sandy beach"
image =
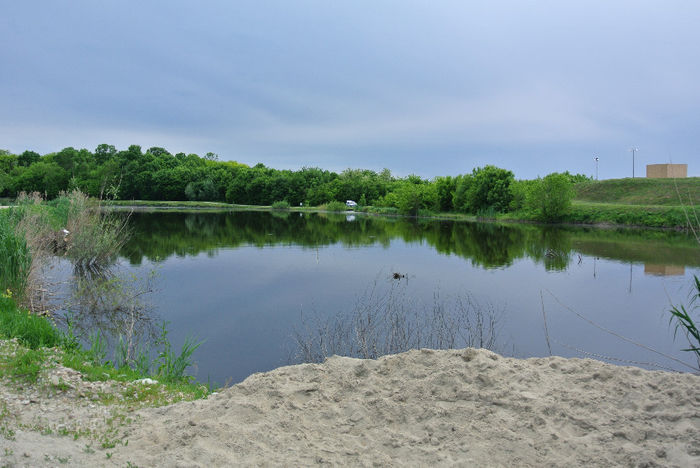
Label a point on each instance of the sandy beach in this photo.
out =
(420, 408)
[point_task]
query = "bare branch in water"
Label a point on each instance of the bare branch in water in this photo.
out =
(385, 320)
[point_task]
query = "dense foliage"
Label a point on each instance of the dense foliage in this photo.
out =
(549, 198)
(156, 174)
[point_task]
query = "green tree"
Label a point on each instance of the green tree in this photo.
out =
(411, 198)
(445, 187)
(490, 189)
(460, 199)
(104, 153)
(8, 161)
(4, 183)
(520, 189)
(549, 198)
(43, 177)
(28, 158)
(201, 191)
(577, 178)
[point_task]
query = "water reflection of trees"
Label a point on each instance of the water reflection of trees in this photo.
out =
(489, 245)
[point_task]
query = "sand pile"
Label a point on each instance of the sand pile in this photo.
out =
(467, 407)
(435, 408)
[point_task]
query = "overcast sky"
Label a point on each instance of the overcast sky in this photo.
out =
(428, 87)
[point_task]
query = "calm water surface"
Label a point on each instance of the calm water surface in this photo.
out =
(244, 281)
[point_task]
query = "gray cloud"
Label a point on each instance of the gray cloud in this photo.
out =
(424, 87)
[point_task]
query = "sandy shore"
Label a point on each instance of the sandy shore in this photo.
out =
(421, 408)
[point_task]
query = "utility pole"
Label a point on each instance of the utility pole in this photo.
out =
(634, 149)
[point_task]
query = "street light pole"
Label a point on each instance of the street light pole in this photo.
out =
(596, 167)
(634, 149)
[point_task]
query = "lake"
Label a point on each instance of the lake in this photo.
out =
(253, 285)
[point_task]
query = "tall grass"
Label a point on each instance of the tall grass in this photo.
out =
(38, 225)
(73, 225)
(171, 367)
(15, 258)
(94, 237)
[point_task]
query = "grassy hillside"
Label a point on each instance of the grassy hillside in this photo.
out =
(641, 191)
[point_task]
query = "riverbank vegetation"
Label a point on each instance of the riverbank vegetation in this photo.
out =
(486, 192)
(30, 231)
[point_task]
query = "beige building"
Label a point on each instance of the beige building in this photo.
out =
(667, 171)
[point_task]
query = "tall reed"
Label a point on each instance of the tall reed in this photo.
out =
(94, 237)
(15, 259)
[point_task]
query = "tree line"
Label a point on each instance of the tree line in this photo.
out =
(156, 174)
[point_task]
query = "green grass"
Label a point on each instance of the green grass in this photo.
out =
(25, 364)
(641, 191)
(631, 215)
(31, 330)
(170, 204)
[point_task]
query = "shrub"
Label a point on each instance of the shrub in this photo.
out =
(280, 205)
(577, 178)
(336, 206)
(488, 187)
(491, 189)
(550, 198)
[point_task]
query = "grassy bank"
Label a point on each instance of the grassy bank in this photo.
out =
(170, 204)
(670, 203)
(583, 212)
(38, 339)
(641, 191)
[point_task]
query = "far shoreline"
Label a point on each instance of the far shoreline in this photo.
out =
(187, 206)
